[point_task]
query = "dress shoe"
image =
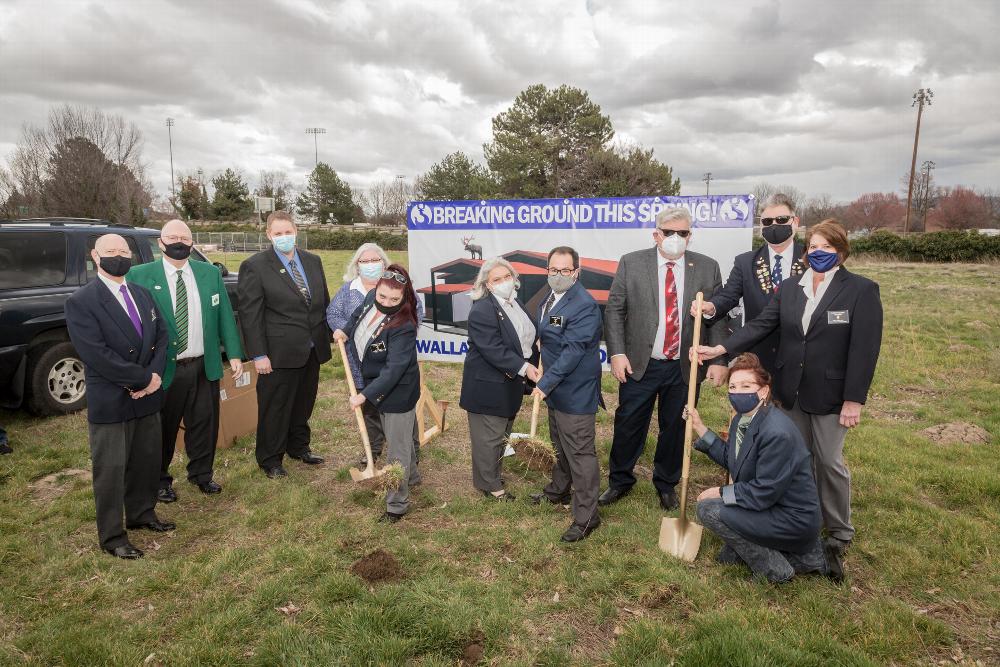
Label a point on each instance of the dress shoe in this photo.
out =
(275, 472)
(311, 458)
(126, 551)
(210, 487)
(668, 500)
(834, 566)
(728, 556)
(166, 495)
(613, 495)
(390, 517)
(575, 533)
(156, 526)
(504, 497)
(537, 498)
(840, 546)
(5, 447)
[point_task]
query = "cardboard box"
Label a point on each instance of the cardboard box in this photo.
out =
(237, 407)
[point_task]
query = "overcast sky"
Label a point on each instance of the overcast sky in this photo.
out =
(811, 93)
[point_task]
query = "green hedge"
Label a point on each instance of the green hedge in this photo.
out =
(957, 246)
(343, 239)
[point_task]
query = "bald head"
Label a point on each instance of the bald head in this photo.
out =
(118, 256)
(111, 244)
(176, 228)
(176, 242)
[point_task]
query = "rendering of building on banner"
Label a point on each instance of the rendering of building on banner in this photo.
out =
(448, 298)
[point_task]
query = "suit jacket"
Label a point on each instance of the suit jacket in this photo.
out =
(633, 308)
(218, 325)
(116, 359)
(750, 280)
(773, 499)
(571, 352)
(490, 383)
(389, 367)
(835, 361)
(274, 316)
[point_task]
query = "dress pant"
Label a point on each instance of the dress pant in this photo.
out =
(401, 446)
(825, 437)
(576, 467)
(126, 466)
(665, 381)
(489, 435)
(285, 400)
(373, 424)
(195, 399)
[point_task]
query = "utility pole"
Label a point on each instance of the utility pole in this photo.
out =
(316, 131)
(925, 168)
(170, 141)
(708, 179)
(920, 98)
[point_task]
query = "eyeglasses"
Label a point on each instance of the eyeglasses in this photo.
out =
(683, 233)
(369, 261)
(779, 219)
(177, 239)
(392, 275)
(560, 272)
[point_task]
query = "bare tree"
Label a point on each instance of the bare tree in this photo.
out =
(761, 191)
(384, 203)
(819, 208)
(276, 184)
(875, 210)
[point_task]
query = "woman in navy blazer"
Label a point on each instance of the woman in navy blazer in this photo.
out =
(768, 516)
(383, 330)
(500, 359)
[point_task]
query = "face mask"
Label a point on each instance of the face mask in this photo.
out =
(560, 283)
(284, 244)
(673, 246)
(504, 289)
(388, 310)
(370, 270)
(822, 261)
(743, 403)
(177, 250)
(777, 234)
(116, 266)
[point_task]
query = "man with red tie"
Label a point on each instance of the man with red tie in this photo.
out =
(648, 333)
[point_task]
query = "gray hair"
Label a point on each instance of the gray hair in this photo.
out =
(479, 289)
(351, 271)
(675, 213)
(780, 199)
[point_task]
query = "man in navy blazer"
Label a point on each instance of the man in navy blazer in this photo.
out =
(122, 340)
(569, 325)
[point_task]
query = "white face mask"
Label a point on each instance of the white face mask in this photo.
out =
(673, 246)
(504, 289)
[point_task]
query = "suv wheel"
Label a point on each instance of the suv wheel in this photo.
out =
(56, 384)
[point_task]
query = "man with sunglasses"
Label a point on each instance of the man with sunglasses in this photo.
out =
(757, 274)
(648, 334)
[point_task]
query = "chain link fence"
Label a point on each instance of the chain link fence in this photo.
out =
(240, 241)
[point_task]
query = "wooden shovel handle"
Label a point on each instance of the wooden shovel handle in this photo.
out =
(357, 411)
(535, 407)
(692, 390)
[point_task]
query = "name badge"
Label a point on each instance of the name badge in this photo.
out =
(838, 317)
(215, 299)
(555, 320)
(377, 347)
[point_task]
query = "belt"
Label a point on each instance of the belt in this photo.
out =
(189, 360)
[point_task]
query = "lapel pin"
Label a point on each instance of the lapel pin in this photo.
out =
(281, 271)
(156, 287)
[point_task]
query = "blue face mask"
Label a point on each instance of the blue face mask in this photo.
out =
(370, 270)
(743, 403)
(284, 244)
(822, 261)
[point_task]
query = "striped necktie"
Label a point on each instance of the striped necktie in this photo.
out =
(300, 282)
(671, 324)
(181, 313)
(776, 273)
(741, 431)
(548, 304)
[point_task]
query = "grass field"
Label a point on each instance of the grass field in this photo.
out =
(262, 573)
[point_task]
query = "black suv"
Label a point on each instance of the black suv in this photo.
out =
(42, 262)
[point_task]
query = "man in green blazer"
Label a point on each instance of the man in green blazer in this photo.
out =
(200, 320)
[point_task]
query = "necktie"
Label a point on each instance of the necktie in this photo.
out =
(133, 314)
(741, 431)
(671, 324)
(776, 273)
(300, 282)
(181, 313)
(548, 304)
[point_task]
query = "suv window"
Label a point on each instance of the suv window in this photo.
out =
(92, 239)
(32, 259)
(154, 247)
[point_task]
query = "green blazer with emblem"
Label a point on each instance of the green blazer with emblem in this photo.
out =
(217, 320)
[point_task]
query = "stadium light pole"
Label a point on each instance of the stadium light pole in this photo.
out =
(170, 142)
(708, 179)
(316, 131)
(920, 98)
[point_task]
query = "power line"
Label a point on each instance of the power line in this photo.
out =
(708, 179)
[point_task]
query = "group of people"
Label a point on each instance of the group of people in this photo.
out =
(798, 372)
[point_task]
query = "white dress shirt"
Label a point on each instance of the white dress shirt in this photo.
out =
(366, 328)
(115, 290)
(812, 300)
(195, 333)
(786, 260)
(661, 281)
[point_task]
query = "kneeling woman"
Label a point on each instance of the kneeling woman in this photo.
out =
(769, 516)
(383, 330)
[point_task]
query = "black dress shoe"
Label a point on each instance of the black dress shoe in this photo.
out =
(840, 546)
(126, 551)
(5, 448)
(537, 498)
(210, 487)
(166, 495)
(613, 495)
(275, 472)
(156, 526)
(575, 533)
(505, 497)
(834, 566)
(668, 500)
(389, 517)
(311, 458)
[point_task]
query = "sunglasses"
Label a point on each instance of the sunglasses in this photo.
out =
(392, 275)
(779, 219)
(683, 233)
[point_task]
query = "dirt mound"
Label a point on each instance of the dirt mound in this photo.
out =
(472, 654)
(536, 454)
(57, 484)
(378, 566)
(957, 432)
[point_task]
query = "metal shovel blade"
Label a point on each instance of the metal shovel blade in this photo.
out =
(367, 473)
(680, 537)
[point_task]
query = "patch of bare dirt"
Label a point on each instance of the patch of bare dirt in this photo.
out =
(961, 347)
(957, 432)
(377, 567)
(58, 484)
(979, 325)
(472, 653)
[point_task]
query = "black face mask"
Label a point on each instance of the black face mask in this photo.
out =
(777, 234)
(116, 266)
(388, 310)
(177, 250)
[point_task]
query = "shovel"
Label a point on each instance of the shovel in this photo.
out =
(369, 472)
(680, 537)
(537, 454)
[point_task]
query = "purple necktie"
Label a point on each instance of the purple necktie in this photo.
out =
(133, 314)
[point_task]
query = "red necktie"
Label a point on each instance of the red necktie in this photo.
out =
(671, 325)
